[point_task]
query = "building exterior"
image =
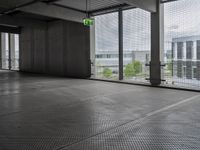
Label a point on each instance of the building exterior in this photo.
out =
(186, 57)
(110, 59)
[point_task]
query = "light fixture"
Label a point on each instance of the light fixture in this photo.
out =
(88, 21)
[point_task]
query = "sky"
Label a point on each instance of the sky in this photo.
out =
(181, 18)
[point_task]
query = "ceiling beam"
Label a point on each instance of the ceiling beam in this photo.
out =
(21, 22)
(10, 29)
(16, 8)
(149, 5)
(54, 11)
(67, 7)
(108, 9)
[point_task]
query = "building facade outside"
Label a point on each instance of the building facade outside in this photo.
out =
(186, 58)
(110, 59)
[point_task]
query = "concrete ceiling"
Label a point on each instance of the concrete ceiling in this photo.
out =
(67, 9)
(6, 4)
(92, 4)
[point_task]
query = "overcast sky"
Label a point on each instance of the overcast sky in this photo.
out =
(182, 18)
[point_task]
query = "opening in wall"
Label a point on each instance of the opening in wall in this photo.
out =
(135, 42)
(182, 36)
(106, 47)
(9, 51)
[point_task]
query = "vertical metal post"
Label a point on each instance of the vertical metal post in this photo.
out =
(155, 64)
(94, 68)
(9, 51)
(172, 60)
(0, 50)
(120, 20)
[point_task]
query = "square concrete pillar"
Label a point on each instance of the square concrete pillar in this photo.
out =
(156, 45)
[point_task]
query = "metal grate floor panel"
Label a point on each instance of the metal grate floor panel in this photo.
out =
(46, 113)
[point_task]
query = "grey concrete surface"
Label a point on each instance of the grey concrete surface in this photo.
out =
(50, 113)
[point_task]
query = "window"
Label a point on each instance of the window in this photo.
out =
(106, 46)
(189, 49)
(182, 37)
(198, 49)
(180, 50)
(9, 51)
(194, 73)
(5, 51)
(136, 34)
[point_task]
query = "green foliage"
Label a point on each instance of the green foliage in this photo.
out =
(169, 66)
(107, 72)
(133, 69)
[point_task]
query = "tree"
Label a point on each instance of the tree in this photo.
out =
(133, 69)
(137, 67)
(169, 67)
(129, 70)
(107, 72)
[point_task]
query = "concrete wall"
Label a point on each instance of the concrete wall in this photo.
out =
(59, 48)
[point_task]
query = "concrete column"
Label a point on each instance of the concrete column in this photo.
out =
(156, 54)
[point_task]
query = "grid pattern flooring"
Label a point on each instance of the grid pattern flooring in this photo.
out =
(49, 113)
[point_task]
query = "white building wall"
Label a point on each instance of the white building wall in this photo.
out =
(175, 51)
(184, 51)
(194, 51)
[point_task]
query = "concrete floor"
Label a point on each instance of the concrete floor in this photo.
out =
(49, 113)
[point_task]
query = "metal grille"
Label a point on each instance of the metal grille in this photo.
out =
(49, 113)
(182, 34)
(137, 39)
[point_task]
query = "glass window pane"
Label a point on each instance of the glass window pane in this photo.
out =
(136, 32)
(181, 39)
(106, 46)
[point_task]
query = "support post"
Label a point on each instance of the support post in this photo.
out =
(9, 51)
(155, 64)
(4, 58)
(12, 52)
(94, 69)
(0, 50)
(121, 68)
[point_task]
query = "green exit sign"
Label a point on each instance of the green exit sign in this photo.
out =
(88, 22)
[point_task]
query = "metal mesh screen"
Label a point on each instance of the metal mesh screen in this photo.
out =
(182, 35)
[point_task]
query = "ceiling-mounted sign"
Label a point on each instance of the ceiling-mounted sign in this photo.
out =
(88, 21)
